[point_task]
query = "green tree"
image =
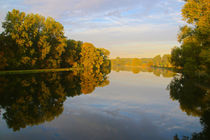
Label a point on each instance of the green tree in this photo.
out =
(193, 55)
(157, 61)
(71, 56)
(39, 41)
(31, 41)
(165, 62)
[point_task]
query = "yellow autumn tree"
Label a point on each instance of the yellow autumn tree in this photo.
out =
(39, 41)
(193, 54)
(96, 66)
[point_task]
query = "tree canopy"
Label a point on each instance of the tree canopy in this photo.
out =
(193, 54)
(39, 42)
(31, 41)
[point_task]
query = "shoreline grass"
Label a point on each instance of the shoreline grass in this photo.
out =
(36, 71)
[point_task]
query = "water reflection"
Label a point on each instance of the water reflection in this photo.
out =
(193, 95)
(133, 106)
(32, 99)
(156, 71)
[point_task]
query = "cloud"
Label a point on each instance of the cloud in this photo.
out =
(130, 34)
(84, 8)
(108, 23)
(145, 40)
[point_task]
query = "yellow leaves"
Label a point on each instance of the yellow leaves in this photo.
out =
(45, 35)
(14, 36)
(136, 62)
(197, 12)
(191, 11)
(194, 38)
(30, 43)
(20, 42)
(42, 40)
(184, 31)
(45, 50)
(93, 58)
(25, 60)
(33, 62)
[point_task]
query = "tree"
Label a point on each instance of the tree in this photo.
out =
(193, 55)
(157, 61)
(136, 62)
(93, 58)
(71, 55)
(165, 62)
(39, 41)
(31, 41)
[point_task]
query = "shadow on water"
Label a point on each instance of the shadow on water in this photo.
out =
(33, 99)
(193, 95)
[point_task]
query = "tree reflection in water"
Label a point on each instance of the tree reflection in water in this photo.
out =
(135, 70)
(32, 99)
(193, 95)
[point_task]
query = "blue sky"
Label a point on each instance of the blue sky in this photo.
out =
(128, 28)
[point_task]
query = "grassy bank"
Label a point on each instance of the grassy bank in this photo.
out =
(36, 71)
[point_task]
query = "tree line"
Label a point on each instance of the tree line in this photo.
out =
(191, 87)
(31, 41)
(157, 61)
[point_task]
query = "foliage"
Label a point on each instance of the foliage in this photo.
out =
(193, 54)
(71, 55)
(31, 41)
(157, 61)
(92, 58)
(38, 41)
(34, 42)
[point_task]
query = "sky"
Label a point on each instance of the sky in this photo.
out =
(127, 28)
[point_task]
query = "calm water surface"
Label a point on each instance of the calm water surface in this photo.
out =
(126, 105)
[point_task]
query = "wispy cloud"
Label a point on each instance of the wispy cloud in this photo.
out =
(109, 23)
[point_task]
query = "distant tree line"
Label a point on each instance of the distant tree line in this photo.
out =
(31, 41)
(194, 53)
(157, 61)
(135, 70)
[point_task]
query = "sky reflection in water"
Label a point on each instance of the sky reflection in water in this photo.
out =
(132, 106)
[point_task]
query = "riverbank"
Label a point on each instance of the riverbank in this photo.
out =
(36, 71)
